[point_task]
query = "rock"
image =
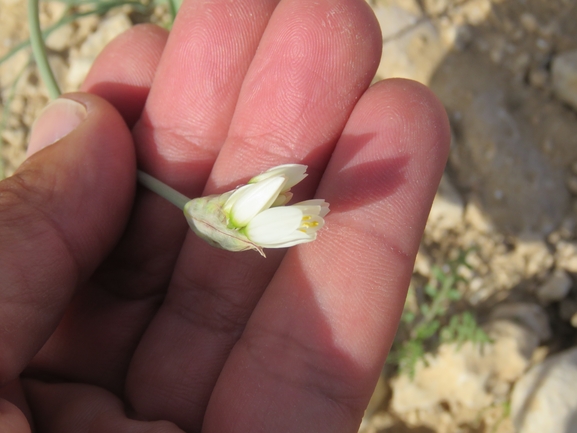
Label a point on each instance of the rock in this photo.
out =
(567, 309)
(573, 167)
(380, 394)
(14, 137)
(536, 256)
(412, 47)
(51, 12)
(538, 78)
(472, 12)
(531, 316)
(567, 227)
(566, 256)
(509, 355)
(572, 184)
(564, 77)
(529, 22)
(10, 70)
(544, 399)
(565, 231)
(555, 288)
(60, 38)
(508, 270)
(422, 264)
(448, 377)
(467, 375)
(476, 218)
(498, 154)
(81, 60)
(447, 210)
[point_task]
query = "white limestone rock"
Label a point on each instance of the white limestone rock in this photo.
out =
(544, 399)
(468, 376)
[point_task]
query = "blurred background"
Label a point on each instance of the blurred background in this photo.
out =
(488, 340)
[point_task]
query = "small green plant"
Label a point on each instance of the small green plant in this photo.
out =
(427, 325)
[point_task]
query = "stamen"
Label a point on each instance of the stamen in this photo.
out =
(309, 225)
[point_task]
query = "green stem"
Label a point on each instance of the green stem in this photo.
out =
(163, 190)
(39, 50)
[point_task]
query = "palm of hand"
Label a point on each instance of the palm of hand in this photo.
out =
(175, 330)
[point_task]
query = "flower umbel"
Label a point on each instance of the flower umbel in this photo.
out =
(253, 216)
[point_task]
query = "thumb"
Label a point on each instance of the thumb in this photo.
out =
(60, 213)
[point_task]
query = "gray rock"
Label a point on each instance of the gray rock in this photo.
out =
(564, 76)
(531, 316)
(567, 309)
(544, 399)
(500, 154)
(555, 288)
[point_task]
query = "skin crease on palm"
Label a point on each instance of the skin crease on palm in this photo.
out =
(117, 318)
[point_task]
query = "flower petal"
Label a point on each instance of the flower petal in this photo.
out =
(295, 238)
(234, 195)
(294, 173)
(274, 224)
(283, 198)
(314, 207)
(254, 198)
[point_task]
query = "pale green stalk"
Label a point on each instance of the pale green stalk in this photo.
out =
(163, 190)
(39, 50)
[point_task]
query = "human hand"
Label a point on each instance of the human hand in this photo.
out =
(123, 320)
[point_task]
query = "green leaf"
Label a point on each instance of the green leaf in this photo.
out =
(454, 295)
(408, 317)
(427, 330)
(430, 290)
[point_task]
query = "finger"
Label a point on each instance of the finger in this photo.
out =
(299, 95)
(12, 420)
(196, 88)
(77, 408)
(183, 125)
(123, 72)
(60, 213)
(313, 349)
(98, 334)
(15, 416)
(95, 338)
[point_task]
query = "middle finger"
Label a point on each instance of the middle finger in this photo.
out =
(314, 61)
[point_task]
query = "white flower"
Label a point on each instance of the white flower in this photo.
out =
(253, 215)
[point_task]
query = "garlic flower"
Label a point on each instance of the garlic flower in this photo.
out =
(253, 216)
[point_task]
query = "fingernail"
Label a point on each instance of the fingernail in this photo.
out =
(56, 120)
